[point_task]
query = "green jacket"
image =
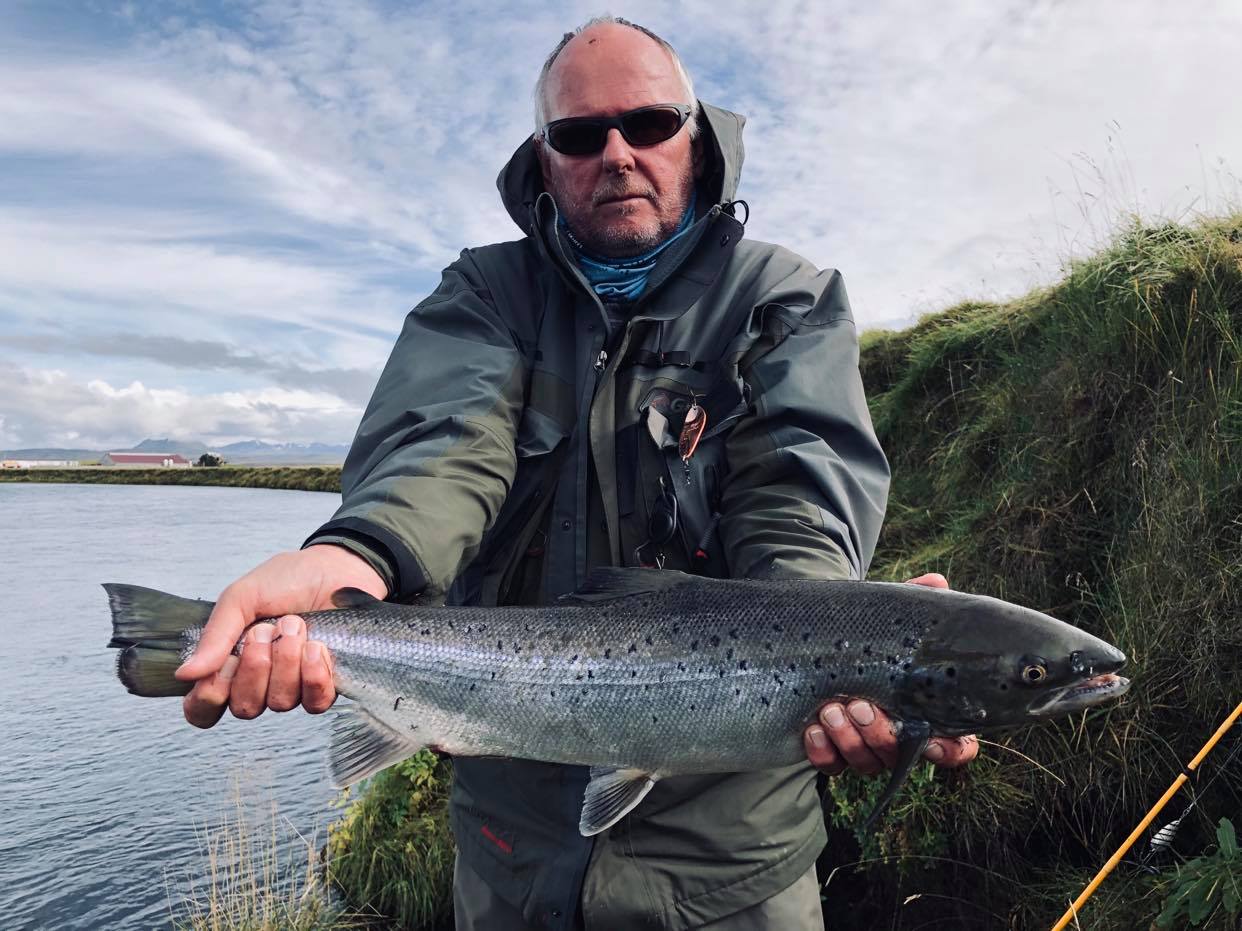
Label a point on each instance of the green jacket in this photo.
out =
(510, 446)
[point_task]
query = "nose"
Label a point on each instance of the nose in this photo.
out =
(617, 154)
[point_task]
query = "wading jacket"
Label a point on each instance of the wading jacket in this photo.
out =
(515, 440)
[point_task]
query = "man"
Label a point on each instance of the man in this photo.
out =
(632, 383)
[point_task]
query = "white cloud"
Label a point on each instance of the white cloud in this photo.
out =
(48, 407)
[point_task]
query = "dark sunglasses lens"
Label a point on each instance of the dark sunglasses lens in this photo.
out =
(577, 138)
(647, 127)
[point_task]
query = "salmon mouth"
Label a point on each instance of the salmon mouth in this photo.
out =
(1085, 694)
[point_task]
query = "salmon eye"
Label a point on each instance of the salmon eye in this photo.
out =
(1034, 673)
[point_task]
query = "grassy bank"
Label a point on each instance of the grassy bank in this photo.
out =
(1078, 450)
(295, 478)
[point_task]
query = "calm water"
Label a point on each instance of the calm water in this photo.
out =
(105, 796)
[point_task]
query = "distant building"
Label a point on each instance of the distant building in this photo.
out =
(145, 461)
(39, 464)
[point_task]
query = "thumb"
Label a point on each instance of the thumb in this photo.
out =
(224, 628)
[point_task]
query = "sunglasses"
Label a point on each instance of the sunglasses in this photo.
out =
(586, 135)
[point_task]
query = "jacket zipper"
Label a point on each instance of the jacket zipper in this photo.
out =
(601, 361)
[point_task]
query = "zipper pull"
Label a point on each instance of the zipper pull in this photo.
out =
(601, 361)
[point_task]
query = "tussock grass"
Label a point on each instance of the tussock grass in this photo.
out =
(248, 884)
(1078, 450)
(392, 852)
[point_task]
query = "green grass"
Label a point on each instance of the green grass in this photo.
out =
(296, 478)
(1078, 450)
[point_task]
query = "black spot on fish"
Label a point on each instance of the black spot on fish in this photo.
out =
(554, 693)
(681, 666)
(473, 686)
(737, 691)
(892, 677)
(867, 650)
(397, 702)
(721, 671)
(906, 666)
(654, 719)
(469, 628)
(777, 677)
(633, 648)
(842, 644)
(500, 645)
(891, 660)
(806, 636)
(700, 670)
(729, 653)
(733, 633)
(517, 649)
(426, 631)
(819, 662)
(692, 708)
(608, 653)
(694, 646)
(633, 673)
(413, 727)
(451, 627)
(778, 628)
(647, 688)
(575, 659)
(676, 628)
(764, 699)
(796, 692)
(793, 667)
(648, 641)
(927, 682)
(832, 675)
(585, 691)
(910, 642)
(482, 628)
(742, 664)
(950, 672)
(768, 646)
(493, 675)
(1004, 687)
(578, 677)
(715, 641)
(860, 670)
(590, 675)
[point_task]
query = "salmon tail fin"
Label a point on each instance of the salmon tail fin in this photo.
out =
(152, 630)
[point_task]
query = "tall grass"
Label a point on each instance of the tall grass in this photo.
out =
(258, 874)
(1078, 450)
(294, 478)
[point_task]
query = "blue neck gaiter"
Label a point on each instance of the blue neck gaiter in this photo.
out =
(624, 279)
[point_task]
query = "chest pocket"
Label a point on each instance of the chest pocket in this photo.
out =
(696, 482)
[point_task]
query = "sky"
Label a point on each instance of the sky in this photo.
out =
(215, 215)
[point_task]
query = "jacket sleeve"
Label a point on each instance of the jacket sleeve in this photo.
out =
(434, 456)
(807, 482)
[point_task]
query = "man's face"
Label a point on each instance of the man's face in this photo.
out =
(622, 200)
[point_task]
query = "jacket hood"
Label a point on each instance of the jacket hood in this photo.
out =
(521, 180)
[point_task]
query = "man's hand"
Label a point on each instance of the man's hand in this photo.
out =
(860, 736)
(279, 668)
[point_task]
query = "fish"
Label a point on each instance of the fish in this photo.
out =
(647, 673)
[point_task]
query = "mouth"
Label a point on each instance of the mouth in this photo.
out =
(623, 199)
(1085, 694)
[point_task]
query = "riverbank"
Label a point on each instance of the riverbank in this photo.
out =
(291, 478)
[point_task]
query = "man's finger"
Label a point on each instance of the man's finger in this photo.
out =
(847, 741)
(248, 696)
(318, 689)
(205, 703)
(284, 689)
(876, 730)
(930, 579)
(951, 752)
(819, 750)
(224, 628)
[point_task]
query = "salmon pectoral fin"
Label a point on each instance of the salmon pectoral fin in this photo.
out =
(610, 796)
(363, 745)
(911, 742)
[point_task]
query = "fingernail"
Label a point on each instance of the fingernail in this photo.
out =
(817, 737)
(934, 752)
(262, 633)
(862, 713)
(229, 669)
(833, 716)
(310, 652)
(290, 626)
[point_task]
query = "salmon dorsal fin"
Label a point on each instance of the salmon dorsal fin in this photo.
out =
(610, 796)
(363, 745)
(609, 583)
(354, 598)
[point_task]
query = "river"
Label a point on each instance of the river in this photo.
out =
(107, 798)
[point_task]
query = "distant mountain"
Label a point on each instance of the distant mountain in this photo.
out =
(248, 452)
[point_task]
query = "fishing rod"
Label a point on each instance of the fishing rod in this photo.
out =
(1072, 912)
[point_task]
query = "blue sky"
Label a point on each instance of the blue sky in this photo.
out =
(213, 216)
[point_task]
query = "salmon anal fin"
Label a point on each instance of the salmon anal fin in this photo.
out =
(610, 796)
(911, 742)
(363, 745)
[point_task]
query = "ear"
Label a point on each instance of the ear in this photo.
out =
(545, 166)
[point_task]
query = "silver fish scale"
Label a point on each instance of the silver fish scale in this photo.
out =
(704, 677)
